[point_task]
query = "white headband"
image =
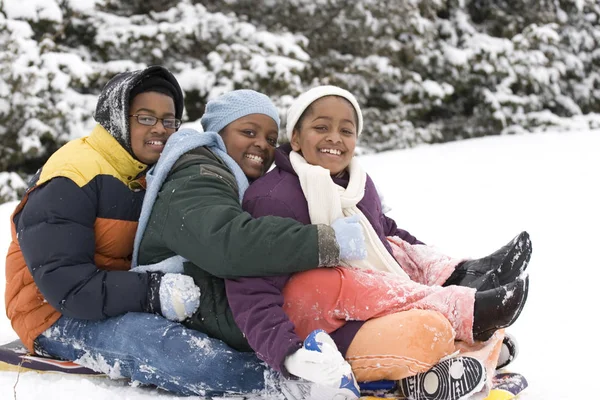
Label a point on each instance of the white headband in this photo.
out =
(307, 98)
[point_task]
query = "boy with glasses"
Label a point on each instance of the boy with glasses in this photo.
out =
(72, 233)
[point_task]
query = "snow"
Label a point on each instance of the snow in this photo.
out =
(456, 56)
(9, 181)
(434, 89)
(82, 5)
(34, 10)
(467, 198)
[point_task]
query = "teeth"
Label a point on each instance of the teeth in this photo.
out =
(155, 142)
(332, 151)
(255, 158)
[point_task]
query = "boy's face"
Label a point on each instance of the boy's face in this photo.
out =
(147, 142)
(251, 142)
(327, 135)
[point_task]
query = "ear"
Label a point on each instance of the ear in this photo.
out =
(295, 140)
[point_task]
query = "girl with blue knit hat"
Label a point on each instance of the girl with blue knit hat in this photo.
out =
(192, 222)
(248, 123)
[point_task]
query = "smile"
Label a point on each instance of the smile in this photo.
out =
(254, 158)
(155, 142)
(335, 152)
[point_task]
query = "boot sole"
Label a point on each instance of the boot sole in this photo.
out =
(509, 351)
(451, 379)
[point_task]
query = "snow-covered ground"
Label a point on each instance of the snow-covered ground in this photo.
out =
(467, 198)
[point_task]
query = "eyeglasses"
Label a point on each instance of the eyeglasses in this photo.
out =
(149, 120)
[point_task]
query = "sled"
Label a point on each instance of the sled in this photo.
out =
(14, 356)
(505, 386)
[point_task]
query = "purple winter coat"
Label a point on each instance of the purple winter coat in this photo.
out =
(257, 303)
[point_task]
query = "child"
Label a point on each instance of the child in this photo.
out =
(88, 188)
(323, 125)
(193, 210)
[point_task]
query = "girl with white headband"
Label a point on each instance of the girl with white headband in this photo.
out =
(317, 180)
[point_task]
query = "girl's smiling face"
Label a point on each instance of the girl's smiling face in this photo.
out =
(326, 135)
(251, 142)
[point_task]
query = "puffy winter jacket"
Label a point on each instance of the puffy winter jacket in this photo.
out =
(72, 233)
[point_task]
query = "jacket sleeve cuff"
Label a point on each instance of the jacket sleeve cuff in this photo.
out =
(153, 297)
(291, 350)
(329, 250)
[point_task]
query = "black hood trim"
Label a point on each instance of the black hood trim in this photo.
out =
(112, 109)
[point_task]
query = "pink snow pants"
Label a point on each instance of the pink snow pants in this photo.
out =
(326, 298)
(410, 325)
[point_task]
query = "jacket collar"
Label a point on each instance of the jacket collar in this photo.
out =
(282, 158)
(119, 158)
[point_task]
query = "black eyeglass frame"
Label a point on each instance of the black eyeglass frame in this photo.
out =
(177, 123)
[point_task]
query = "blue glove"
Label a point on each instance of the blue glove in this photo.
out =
(179, 297)
(350, 238)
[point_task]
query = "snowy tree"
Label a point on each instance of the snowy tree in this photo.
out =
(435, 70)
(39, 108)
(424, 71)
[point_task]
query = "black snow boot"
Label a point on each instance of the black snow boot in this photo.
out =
(498, 308)
(499, 268)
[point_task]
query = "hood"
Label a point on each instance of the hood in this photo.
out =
(112, 109)
(282, 158)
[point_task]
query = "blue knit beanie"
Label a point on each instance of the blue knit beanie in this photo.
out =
(236, 104)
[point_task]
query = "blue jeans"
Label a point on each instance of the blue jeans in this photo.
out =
(152, 350)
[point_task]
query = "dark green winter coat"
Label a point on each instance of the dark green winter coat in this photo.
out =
(198, 215)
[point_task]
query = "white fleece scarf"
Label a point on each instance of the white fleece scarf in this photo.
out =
(328, 201)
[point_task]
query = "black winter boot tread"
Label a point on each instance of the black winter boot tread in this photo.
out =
(451, 379)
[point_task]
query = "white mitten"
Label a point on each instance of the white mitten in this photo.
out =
(179, 297)
(320, 361)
